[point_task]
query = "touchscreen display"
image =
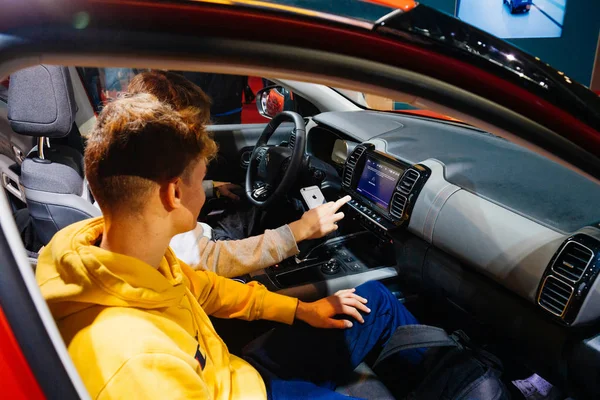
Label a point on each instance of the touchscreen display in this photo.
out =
(378, 181)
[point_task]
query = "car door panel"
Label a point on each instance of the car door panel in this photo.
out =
(13, 148)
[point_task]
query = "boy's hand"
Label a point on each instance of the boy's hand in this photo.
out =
(226, 189)
(319, 221)
(320, 313)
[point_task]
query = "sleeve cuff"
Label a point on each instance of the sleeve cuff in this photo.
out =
(288, 246)
(208, 188)
(277, 307)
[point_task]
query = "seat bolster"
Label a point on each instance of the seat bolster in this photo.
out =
(363, 383)
(51, 212)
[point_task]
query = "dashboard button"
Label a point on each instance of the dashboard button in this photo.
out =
(331, 267)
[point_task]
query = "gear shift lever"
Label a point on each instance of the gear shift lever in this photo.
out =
(332, 241)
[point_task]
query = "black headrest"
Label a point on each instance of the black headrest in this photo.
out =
(41, 101)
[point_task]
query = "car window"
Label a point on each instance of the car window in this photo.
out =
(105, 84)
(407, 104)
(232, 96)
(4, 90)
(374, 102)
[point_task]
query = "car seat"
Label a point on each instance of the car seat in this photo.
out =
(41, 104)
(364, 384)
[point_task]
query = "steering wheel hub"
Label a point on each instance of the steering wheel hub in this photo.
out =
(273, 169)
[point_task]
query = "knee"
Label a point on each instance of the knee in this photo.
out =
(376, 294)
(371, 286)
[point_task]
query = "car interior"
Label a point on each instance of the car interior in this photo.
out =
(470, 228)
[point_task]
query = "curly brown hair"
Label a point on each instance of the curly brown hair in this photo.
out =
(138, 142)
(173, 89)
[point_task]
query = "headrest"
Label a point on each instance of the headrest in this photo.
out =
(41, 101)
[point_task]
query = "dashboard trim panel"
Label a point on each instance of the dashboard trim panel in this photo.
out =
(515, 252)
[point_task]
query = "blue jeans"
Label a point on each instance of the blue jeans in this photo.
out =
(300, 361)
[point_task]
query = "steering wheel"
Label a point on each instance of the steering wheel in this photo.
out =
(273, 169)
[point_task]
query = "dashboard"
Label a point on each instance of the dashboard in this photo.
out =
(522, 220)
(383, 189)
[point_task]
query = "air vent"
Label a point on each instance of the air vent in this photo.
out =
(408, 181)
(398, 205)
(292, 141)
(355, 156)
(351, 164)
(572, 261)
(555, 295)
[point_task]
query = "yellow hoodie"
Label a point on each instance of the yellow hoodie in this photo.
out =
(137, 332)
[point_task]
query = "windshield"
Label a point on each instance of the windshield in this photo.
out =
(360, 10)
(374, 102)
(408, 104)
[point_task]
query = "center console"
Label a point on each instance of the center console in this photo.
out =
(383, 189)
(343, 256)
(383, 192)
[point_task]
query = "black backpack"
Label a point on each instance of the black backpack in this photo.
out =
(457, 371)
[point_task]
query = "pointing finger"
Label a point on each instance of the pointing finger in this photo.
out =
(339, 203)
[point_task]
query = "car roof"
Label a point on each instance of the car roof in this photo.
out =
(413, 42)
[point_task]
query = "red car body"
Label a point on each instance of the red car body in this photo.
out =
(18, 381)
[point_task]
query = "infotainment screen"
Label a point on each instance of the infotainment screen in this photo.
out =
(378, 181)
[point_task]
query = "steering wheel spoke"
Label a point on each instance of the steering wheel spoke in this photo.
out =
(274, 169)
(260, 153)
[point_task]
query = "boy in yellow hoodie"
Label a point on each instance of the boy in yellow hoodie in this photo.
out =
(135, 318)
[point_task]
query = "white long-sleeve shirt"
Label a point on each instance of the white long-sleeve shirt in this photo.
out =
(231, 258)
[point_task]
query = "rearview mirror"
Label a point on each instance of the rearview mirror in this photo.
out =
(272, 100)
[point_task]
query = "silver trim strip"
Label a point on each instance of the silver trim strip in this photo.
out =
(314, 291)
(586, 266)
